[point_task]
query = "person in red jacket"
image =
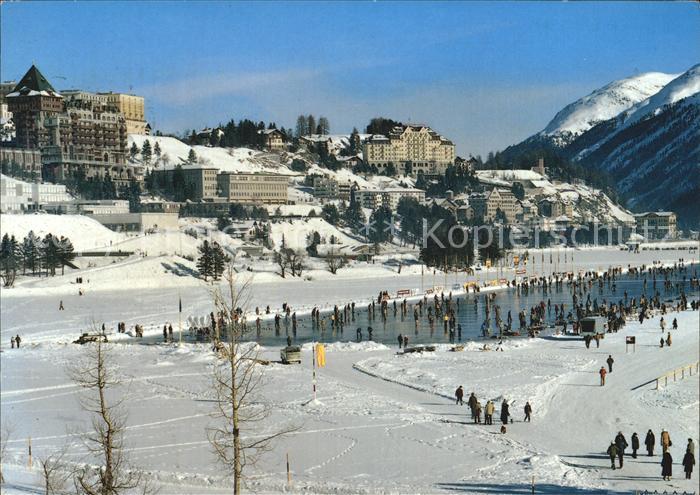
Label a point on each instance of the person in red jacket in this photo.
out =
(602, 375)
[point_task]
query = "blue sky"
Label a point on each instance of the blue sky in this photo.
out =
(484, 74)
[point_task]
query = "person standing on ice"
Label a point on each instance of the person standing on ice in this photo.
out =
(602, 373)
(488, 412)
(459, 394)
(400, 339)
(665, 439)
(668, 339)
(405, 341)
(60, 306)
(688, 463)
(667, 466)
(612, 452)
(12, 342)
(369, 333)
(662, 322)
(635, 445)
(477, 410)
(621, 444)
(505, 411)
(610, 362)
(472, 404)
(650, 442)
(359, 334)
(528, 411)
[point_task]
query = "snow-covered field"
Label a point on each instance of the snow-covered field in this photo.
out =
(384, 423)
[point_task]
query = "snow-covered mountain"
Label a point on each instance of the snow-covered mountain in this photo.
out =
(603, 104)
(650, 145)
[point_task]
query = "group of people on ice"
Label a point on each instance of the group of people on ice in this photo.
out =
(617, 448)
(489, 409)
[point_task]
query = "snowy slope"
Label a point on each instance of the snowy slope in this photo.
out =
(83, 232)
(603, 104)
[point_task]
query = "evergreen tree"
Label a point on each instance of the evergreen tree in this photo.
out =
(31, 255)
(381, 221)
(156, 150)
(65, 253)
(49, 254)
(310, 123)
(192, 156)
(354, 141)
(313, 240)
(518, 190)
(354, 216)
(9, 260)
(301, 128)
(330, 214)
(146, 152)
(134, 151)
(205, 262)
(219, 260)
(324, 126)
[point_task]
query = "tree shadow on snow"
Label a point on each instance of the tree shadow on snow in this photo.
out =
(524, 489)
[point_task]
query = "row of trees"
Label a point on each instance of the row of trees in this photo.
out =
(307, 124)
(34, 255)
(212, 260)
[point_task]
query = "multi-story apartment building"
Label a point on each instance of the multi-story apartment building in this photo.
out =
(201, 181)
(28, 160)
(657, 224)
(375, 198)
(325, 188)
(133, 109)
(505, 201)
(411, 148)
(255, 188)
(79, 134)
(32, 102)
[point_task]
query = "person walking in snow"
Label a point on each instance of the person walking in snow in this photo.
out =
(612, 452)
(17, 340)
(649, 442)
(369, 332)
(488, 412)
(691, 447)
(471, 402)
(528, 411)
(668, 339)
(60, 306)
(459, 394)
(667, 466)
(358, 332)
(405, 341)
(621, 444)
(477, 419)
(170, 331)
(662, 323)
(400, 339)
(602, 373)
(665, 441)
(505, 413)
(12, 342)
(688, 463)
(662, 342)
(610, 362)
(635, 445)
(675, 324)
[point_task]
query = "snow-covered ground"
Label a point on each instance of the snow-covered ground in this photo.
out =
(384, 423)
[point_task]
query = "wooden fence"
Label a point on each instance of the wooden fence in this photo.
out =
(678, 374)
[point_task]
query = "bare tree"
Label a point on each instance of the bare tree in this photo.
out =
(334, 261)
(237, 377)
(5, 435)
(55, 471)
(282, 263)
(96, 374)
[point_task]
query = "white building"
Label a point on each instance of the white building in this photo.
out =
(375, 198)
(20, 196)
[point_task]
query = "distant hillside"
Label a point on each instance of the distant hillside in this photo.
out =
(650, 149)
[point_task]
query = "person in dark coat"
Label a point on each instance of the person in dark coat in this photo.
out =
(621, 444)
(504, 412)
(667, 466)
(17, 340)
(612, 452)
(528, 411)
(635, 445)
(400, 339)
(459, 394)
(610, 362)
(649, 442)
(688, 463)
(471, 402)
